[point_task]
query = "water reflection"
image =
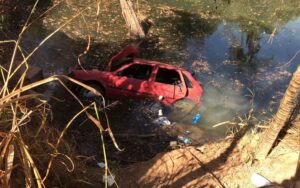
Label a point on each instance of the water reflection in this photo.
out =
(245, 53)
(236, 55)
(227, 42)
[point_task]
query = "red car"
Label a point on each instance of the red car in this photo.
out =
(130, 77)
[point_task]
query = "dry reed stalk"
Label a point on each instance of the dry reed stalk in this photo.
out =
(61, 136)
(5, 86)
(12, 141)
(10, 97)
(88, 45)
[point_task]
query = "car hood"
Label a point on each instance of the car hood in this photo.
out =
(128, 52)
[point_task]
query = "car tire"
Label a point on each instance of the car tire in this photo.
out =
(88, 97)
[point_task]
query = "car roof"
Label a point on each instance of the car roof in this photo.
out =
(152, 62)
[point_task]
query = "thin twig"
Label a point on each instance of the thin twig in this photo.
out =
(290, 61)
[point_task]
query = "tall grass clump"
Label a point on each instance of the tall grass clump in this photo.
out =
(31, 151)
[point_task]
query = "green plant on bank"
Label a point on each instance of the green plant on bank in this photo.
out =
(16, 155)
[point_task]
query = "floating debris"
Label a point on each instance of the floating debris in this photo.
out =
(185, 140)
(162, 121)
(101, 164)
(110, 180)
(196, 119)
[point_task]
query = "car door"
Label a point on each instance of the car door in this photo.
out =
(132, 81)
(169, 83)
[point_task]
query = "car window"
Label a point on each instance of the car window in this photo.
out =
(137, 71)
(187, 81)
(168, 76)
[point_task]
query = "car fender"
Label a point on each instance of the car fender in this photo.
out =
(94, 76)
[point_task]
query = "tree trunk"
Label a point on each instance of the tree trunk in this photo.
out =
(283, 114)
(131, 19)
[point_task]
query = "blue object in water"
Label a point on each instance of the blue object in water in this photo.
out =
(196, 119)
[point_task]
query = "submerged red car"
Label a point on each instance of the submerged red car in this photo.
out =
(129, 77)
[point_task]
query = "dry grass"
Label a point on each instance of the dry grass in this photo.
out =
(30, 151)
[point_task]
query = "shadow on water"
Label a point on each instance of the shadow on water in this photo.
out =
(235, 57)
(186, 24)
(12, 18)
(128, 119)
(59, 54)
(228, 44)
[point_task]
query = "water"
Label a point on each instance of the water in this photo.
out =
(244, 52)
(266, 75)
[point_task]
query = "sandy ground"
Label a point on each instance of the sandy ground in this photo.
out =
(227, 163)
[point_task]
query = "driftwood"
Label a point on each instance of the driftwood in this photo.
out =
(131, 19)
(229, 123)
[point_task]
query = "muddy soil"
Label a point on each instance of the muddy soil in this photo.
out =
(227, 163)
